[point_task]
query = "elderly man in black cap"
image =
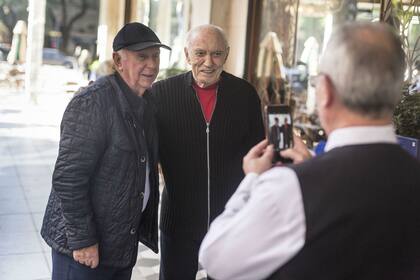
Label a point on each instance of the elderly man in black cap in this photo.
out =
(104, 196)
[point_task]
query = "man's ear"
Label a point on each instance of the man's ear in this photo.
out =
(227, 53)
(116, 57)
(187, 56)
(326, 91)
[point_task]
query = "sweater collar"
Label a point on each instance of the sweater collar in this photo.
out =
(190, 79)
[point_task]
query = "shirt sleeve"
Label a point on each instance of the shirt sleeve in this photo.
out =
(262, 227)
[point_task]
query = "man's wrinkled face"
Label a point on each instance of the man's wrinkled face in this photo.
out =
(139, 69)
(206, 53)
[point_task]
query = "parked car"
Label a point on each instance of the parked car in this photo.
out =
(56, 57)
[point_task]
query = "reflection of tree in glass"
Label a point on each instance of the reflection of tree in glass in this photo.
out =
(401, 14)
(10, 12)
(62, 15)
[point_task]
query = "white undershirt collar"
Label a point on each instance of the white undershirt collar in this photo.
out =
(358, 135)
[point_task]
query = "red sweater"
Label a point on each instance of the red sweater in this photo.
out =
(207, 97)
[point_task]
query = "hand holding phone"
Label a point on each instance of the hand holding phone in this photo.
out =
(279, 129)
(299, 153)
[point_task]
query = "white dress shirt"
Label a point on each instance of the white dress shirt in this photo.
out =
(263, 225)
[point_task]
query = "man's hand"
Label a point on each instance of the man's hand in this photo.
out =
(298, 153)
(88, 256)
(258, 158)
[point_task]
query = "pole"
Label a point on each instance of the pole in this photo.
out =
(36, 26)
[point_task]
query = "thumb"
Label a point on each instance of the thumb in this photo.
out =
(292, 154)
(269, 152)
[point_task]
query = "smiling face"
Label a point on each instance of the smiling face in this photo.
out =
(138, 69)
(206, 52)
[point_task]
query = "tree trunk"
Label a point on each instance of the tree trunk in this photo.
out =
(66, 27)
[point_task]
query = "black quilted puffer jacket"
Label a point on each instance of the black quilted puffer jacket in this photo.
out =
(98, 182)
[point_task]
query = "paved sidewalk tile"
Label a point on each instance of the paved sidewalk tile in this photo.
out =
(12, 243)
(24, 267)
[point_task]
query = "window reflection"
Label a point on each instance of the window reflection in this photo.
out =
(169, 18)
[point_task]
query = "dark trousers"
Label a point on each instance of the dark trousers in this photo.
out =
(178, 258)
(65, 268)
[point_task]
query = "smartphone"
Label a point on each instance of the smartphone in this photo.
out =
(279, 124)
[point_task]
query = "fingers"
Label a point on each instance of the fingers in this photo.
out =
(90, 261)
(297, 155)
(95, 263)
(268, 152)
(87, 256)
(299, 152)
(257, 150)
(298, 143)
(292, 154)
(259, 158)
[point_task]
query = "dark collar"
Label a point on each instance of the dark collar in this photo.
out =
(133, 99)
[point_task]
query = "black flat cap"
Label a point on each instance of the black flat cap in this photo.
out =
(135, 37)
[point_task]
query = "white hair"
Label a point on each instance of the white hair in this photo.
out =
(365, 62)
(206, 27)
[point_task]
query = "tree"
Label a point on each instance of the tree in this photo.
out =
(10, 12)
(64, 21)
(401, 15)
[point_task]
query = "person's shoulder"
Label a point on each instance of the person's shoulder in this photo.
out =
(96, 92)
(166, 88)
(176, 79)
(412, 163)
(228, 77)
(237, 82)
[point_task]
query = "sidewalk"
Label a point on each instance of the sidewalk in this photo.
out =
(29, 136)
(28, 144)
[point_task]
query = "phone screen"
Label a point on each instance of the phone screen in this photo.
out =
(279, 126)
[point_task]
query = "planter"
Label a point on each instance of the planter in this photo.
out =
(411, 145)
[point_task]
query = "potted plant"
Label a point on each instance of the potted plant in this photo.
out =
(400, 15)
(407, 121)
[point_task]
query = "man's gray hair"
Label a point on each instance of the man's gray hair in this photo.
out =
(365, 62)
(206, 27)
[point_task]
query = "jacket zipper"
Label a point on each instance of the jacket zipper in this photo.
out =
(208, 172)
(208, 153)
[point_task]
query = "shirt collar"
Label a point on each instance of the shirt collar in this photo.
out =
(358, 135)
(132, 98)
(211, 87)
(190, 79)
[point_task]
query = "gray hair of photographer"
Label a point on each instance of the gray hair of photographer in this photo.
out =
(365, 62)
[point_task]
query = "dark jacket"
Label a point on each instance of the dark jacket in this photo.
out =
(202, 165)
(98, 181)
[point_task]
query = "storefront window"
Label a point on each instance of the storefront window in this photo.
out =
(292, 36)
(169, 18)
